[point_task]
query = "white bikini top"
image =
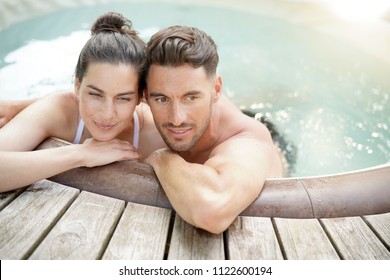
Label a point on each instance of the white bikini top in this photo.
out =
(80, 129)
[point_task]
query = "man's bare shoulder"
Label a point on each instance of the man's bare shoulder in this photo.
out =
(245, 138)
(236, 124)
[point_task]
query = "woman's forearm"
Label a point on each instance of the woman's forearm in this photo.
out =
(19, 169)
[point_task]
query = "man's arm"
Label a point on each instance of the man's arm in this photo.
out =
(10, 108)
(212, 195)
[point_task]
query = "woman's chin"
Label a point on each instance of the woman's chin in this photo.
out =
(103, 138)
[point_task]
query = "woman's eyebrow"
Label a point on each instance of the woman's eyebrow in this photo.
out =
(95, 88)
(102, 91)
(126, 93)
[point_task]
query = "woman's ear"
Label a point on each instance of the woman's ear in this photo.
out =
(76, 87)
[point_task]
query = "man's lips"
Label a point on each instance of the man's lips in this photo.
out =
(178, 131)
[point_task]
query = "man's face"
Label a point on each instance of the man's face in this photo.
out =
(181, 99)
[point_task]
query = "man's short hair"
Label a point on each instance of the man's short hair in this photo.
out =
(178, 45)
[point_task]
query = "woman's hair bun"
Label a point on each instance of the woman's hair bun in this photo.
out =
(112, 22)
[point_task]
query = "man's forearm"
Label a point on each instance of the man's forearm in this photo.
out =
(168, 167)
(194, 190)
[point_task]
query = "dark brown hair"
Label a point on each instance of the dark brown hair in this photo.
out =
(177, 45)
(113, 41)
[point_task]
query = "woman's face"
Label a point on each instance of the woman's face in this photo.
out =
(108, 95)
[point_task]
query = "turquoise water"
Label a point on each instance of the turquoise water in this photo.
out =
(327, 97)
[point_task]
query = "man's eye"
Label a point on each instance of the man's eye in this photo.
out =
(162, 99)
(192, 97)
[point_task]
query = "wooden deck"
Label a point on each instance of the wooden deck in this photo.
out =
(52, 221)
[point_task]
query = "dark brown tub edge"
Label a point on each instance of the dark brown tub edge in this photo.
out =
(363, 192)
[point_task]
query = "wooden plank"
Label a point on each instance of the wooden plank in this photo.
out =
(190, 243)
(26, 221)
(141, 234)
(7, 197)
(253, 238)
(380, 224)
(304, 239)
(84, 230)
(354, 239)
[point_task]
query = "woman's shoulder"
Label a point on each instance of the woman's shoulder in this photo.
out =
(67, 99)
(53, 115)
(63, 104)
(62, 113)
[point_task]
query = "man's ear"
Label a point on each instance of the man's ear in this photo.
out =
(217, 87)
(146, 94)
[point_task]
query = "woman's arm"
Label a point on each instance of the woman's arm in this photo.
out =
(19, 169)
(10, 108)
(49, 117)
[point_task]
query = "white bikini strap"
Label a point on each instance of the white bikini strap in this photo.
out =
(136, 130)
(79, 132)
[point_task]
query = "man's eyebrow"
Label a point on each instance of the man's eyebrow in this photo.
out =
(156, 94)
(102, 91)
(192, 92)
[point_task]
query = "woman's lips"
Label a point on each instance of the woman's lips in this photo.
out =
(104, 126)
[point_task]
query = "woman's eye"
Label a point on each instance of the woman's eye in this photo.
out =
(123, 98)
(94, 94)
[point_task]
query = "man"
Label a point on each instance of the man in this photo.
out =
(218, 158)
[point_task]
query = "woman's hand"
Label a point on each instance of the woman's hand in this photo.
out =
(98, 153)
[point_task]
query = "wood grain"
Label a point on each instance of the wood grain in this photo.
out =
(27, 220)
(141, 234)
(253, 238)
(84, 231)
(304, 239)
(190, 243)
(354, 239)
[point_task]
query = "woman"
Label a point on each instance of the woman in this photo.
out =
(102, 113)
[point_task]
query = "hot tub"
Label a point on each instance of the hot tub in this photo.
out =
(321, 79)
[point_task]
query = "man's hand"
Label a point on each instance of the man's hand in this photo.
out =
(155, 156)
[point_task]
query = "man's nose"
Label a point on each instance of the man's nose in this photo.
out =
(177, 114)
